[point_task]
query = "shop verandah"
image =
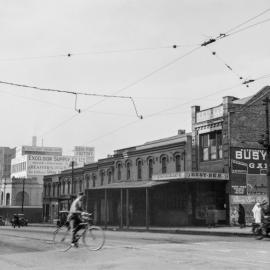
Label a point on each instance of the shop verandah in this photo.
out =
(157, 203)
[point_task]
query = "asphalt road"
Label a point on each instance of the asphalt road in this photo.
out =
(32, 248)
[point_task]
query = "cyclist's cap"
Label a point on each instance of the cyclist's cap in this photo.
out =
(264, 202)
(81, 194)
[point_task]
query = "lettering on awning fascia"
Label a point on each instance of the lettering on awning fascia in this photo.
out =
(190, 175)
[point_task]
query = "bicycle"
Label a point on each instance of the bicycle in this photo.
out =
(92, 236)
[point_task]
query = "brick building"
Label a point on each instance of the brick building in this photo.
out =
(180, 180)
(124, 188)
(225, 139)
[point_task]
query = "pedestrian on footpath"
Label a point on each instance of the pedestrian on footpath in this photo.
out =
(241, 216)
(257, 213)
(234, 216)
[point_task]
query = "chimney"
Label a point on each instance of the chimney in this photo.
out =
(34, 141)
(181, 131)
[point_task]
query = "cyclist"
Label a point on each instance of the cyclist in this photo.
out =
(74, 217)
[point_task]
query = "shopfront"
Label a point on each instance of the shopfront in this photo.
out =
(177, 199)
(190, 197)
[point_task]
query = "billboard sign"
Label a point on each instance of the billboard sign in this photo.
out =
(45, 164)
(248, 171)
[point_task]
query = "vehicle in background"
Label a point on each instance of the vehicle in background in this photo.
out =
(19, 220)
(62, 218)
(2, 221)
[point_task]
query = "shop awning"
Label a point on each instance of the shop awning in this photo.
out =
(131, 184)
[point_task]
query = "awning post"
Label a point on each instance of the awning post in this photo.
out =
(127, 208)
(121, 208)
(147, 208)
(105, 199)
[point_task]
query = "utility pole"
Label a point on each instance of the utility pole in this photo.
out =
(23, 194)
(72, 176)
(266, 143)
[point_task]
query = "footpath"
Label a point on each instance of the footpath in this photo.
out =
(218, 230)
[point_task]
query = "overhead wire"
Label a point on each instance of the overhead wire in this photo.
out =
(171, 108)
(127, 86)
(214, 53)
(221, 36)
(76, 93)
(247, 21)
(97, 52)
(248, 27)
(159, 112)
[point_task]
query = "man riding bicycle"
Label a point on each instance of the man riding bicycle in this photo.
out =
(74, 217)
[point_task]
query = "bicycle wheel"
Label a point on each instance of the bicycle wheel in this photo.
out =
(93, 238)
(62, 236)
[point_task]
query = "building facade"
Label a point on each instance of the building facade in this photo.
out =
(146, 185)
(188, 179)
(22, 187)
(225, 140)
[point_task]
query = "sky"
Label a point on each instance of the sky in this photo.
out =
(123, 48)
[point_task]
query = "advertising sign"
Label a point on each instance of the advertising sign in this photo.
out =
(45, 164)
(209, 114)
(248, 171)
(191, 175)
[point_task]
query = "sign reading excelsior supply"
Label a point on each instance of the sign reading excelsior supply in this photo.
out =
(248, 170)
(45, 165)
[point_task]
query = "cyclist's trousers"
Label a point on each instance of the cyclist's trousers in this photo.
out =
(74, 226)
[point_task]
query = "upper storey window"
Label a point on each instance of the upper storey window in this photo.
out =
(128, 171)
(211, 146)
(139, 168)
(164, 165)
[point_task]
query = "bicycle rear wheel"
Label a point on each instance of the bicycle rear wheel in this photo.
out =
(62, 236)
(93, 238)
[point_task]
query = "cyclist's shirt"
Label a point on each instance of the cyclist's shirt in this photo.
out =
(76, 206)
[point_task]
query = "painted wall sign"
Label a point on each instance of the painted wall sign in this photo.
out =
(247, 160)
(212, 113)
(248, 171)
(191, 175)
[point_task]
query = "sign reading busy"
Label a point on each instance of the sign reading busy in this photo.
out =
(248, 170)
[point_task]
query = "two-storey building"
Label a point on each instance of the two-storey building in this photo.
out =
(225, 139)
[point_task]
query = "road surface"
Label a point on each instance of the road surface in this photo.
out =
(32, 248)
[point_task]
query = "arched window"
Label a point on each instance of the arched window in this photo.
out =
(69, 185)
(63, 187)
(139, 169)
(177, 163)
(7, 199)
(109, 177)
(2, 197)
(49, 190)
(119, 171)
(102, 178)
(94, 180)
(164, 164)
(74, 189)
(87, 179)
(80, 185)
(150, 168)
(128, 170)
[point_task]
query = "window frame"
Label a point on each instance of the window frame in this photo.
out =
(210, 145)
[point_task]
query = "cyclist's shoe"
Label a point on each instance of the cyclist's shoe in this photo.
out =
(75, 244)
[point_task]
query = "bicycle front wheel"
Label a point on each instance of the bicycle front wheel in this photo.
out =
(62, 236)
(93, 238)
